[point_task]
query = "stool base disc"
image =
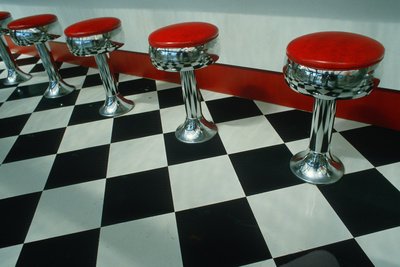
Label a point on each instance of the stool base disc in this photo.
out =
(58, 89)
(115, 106)
(16, 76)
(196, 131)
(317, 168)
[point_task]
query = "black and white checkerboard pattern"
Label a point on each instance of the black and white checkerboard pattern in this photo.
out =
(78, 189)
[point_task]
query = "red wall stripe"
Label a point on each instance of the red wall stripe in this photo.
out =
(381, 107)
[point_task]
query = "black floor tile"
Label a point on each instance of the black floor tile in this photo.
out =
(13, 125)
(232, 108)
(136, 196)
(291, 125)
(73, 72)
(136, 86)
(79, 166)
(24, 91)
(86, 113)
(79, 249)
(264, 169)
(37, 68)
(170, 97)
(342, 254)
(365, 201)
(27, 61)
(35, 145)
(380, 146)
(49, 103)
(92, 80)
(16, 216)
(224, 234)
(178, 152)
(136, 126)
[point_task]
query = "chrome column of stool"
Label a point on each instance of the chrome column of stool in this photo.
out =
(98, 37)
(14, 74)
(328, 66)
(37, 30)
(183, 48)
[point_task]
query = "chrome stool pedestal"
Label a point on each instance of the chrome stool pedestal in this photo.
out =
(98, 37)
(37, 30)
(14, 74)
(183, 48)
(328, 66)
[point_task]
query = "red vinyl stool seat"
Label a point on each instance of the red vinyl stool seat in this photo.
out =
(14, 74)
(183, 48)
(328, 66)
(97, 37)
(37, 30)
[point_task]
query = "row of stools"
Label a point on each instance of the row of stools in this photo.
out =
(325, 65)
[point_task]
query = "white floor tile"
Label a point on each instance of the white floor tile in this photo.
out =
(343, 124)
(143, 103)
(172, 117)
(269, 108)
(204, 182)
(5, 146)
(136, 155)
(86, 135)
(48, 120)
(5, 93)
(391, 172)
(9, 256)
(91, 94)
(383, 247)
(246, 134)
(267, 263)
(19, 107)
(162, 85)
(24, 177)
(67, 210)
(312, 220)
(149, 242)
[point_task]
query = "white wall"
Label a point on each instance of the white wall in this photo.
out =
(253, 33)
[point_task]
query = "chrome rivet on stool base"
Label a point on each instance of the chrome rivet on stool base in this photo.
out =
(97, 37)
(37, 30)
(183, 48)
(328, 66)
(14, 74)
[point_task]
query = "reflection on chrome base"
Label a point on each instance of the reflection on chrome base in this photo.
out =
(116, 105)
(58, 88)
(317, 168)
(196, 131)
(16, 76)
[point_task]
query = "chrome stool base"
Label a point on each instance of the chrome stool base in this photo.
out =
(196, 131)
(16, 76)
(58, 89)
(115, 106)
(317, 168)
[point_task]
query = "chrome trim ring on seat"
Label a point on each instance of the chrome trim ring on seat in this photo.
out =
(330, 84)
(186, 58)
(96, 44)
(42, 34)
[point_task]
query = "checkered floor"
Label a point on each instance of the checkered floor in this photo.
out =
(77, 189)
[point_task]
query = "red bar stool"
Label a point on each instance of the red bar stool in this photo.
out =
(183, 48)
(97, 37)
(37, 30)
(328, 66)
(14, 74)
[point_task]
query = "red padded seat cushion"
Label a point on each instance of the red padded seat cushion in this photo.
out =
(335, 51)
(4, 15)
(187, 34)
(91, 27)
(32, 22)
